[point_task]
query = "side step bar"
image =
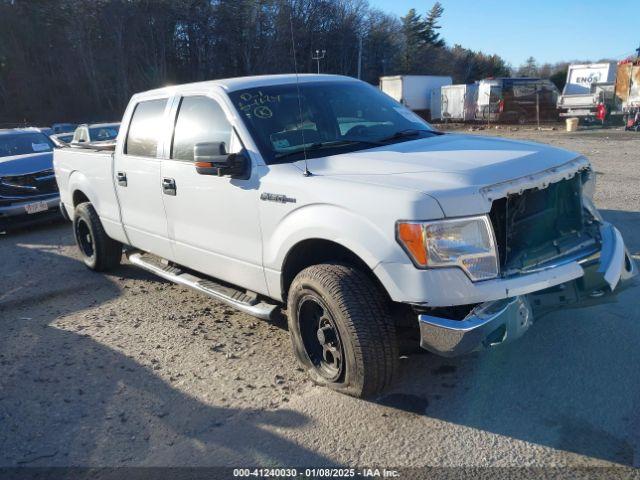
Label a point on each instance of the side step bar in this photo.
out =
(245, 302)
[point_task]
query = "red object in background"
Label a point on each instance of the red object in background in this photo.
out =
(501, 106)
(601, 111)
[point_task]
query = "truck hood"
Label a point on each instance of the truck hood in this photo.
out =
(464, 173)
(25, 164)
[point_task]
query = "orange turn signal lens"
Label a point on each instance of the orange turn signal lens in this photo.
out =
(204, 164)
(412, 237)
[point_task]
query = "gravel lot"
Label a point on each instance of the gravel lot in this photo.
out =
(126, 369)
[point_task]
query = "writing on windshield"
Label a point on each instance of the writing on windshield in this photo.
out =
(320, 118)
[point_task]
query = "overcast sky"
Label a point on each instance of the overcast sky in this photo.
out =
(549, 30)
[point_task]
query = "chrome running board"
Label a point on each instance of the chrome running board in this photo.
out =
(246, 302)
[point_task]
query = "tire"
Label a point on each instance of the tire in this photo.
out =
(363, 360)
(99, 252)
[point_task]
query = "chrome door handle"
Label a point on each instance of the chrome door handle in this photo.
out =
(122, 179)
(169, 186)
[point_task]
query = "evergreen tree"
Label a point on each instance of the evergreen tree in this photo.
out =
(413, 30)
(431, 26)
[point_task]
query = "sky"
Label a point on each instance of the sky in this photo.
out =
(548, 30)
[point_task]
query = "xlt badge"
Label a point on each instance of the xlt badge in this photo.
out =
(275, 197)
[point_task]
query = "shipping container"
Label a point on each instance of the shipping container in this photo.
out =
(413, 91)
(458, 102)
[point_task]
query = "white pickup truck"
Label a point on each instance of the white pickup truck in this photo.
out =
(321, 193)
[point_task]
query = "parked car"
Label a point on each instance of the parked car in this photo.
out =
(28, 190)
(47, 131)
(322, 193)
(63, 127)
(95, 132)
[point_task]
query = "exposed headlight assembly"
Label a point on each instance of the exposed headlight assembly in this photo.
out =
(467, 243)
(588, 191)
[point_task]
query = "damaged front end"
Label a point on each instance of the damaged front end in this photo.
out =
(537, 229)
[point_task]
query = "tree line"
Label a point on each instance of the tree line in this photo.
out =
(80, 60)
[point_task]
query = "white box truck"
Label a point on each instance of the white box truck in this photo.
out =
(414, 91)
(587, 86)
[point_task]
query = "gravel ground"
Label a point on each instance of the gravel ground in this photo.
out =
(126, 369)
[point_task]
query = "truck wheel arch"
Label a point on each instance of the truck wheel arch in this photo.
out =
(79, 197)
(81, 191)
(315, 251)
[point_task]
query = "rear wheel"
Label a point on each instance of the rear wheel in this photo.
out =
(341, 329)
(99, 252)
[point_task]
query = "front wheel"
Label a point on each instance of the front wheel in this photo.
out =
(341, 329)
(99, 252)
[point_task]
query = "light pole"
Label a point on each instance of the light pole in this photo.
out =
(318, 56)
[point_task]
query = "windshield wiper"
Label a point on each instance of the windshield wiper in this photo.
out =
(411, 132)
(321, 145)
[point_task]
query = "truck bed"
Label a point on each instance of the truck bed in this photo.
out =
(90, 171)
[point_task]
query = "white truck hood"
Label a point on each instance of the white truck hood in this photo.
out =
(464, 173)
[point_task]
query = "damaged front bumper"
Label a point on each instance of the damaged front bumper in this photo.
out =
(606, 273)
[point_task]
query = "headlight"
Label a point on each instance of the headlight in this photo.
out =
(467, 243)
(589, 185)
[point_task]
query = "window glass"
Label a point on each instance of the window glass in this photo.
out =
(145, 129)
(200, 119)
(103, 133)
(24, 144)
(313, 119)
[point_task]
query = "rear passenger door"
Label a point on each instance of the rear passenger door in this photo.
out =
(212, 220)
(137, 178)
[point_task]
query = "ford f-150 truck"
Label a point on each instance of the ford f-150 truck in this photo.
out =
(321, 193)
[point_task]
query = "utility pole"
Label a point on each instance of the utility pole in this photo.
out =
(318, 56)
(360, 56)
(538, 106)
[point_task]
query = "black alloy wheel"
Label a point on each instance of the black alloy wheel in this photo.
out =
(321, 337)
(84, 238)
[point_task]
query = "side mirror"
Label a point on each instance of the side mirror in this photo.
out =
(211, 158)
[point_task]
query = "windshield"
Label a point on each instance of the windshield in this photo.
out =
(103, 133)
(336, 117)
(24, 144)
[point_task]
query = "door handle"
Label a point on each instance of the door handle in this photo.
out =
(122, 178)
(169, 186)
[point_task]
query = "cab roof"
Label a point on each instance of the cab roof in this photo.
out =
(241, 83)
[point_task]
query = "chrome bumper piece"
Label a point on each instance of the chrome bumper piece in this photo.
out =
(489, 324)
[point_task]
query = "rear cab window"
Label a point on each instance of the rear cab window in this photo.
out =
(145, 128)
